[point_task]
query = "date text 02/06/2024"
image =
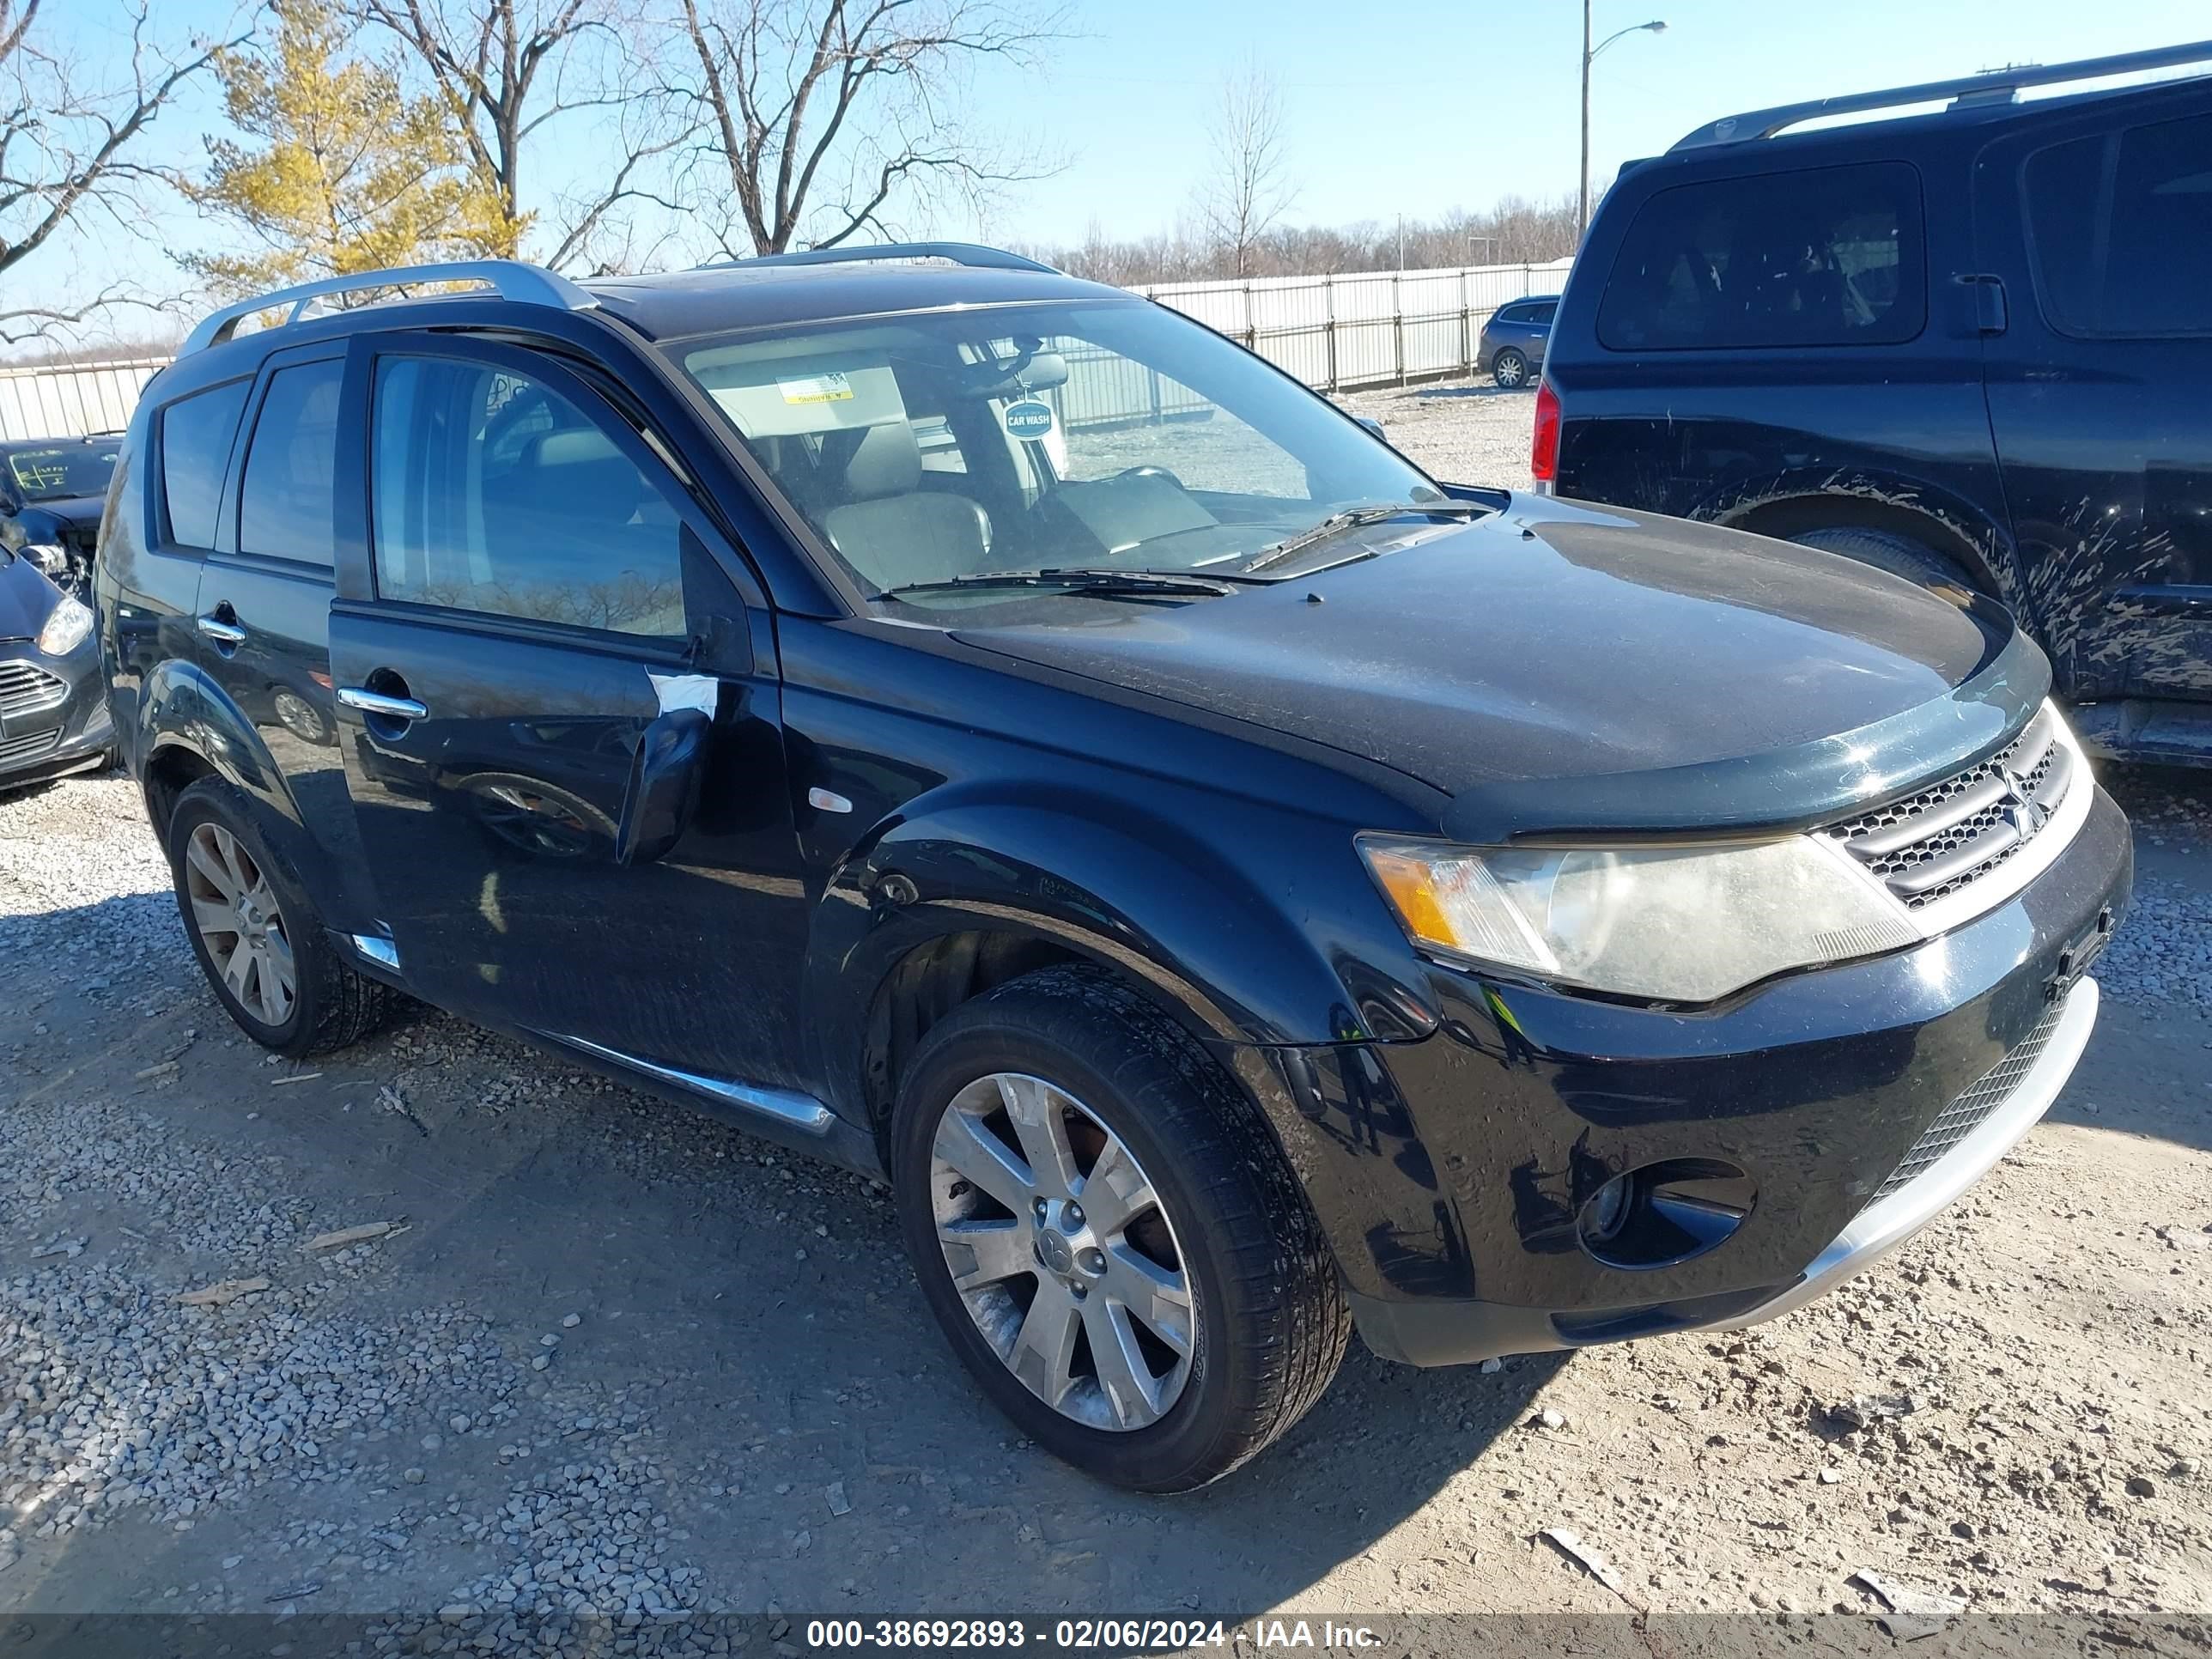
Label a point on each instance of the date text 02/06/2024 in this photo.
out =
(1086, 1635)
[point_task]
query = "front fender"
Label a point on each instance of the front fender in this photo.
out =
(1283, 941)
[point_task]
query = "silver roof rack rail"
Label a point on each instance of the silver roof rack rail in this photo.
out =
(510, 279)
(1991, 86)
(959, 254)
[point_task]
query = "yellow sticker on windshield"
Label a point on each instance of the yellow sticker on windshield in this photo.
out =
(829, 388)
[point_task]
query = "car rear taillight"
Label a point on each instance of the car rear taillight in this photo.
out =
(1544, 446)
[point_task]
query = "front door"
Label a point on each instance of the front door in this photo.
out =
(2099, 228)
(534, 589)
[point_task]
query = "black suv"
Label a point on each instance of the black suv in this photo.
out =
(1972, 347)
(983, 727)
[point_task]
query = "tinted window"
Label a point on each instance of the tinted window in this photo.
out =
(494, 493)
(196, 436)
(1826, 256)
(287, 505)
(1513, 313)
(1545, 312)
(2121, 225)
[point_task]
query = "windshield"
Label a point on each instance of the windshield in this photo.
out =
(64, 470)
(1111, 436)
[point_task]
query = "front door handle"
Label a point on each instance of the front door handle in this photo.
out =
(376, 702)
(222, 630)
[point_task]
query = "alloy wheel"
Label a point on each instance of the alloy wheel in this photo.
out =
(1062, 1252)
(1509, 370)
(241, 923)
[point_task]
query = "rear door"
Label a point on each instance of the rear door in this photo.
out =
(2099, 226)
(263, 612)
(534, 588)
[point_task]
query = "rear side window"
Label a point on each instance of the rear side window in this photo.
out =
(1513, 313)
(2122, 228)
(493, 493)
(1818, 257)
(195, 443)
(287, 503)
(1545, 312)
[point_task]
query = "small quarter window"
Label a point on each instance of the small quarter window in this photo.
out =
(1815, 256)
(195, 443)
(2121, 225)
(287, 501)
(493, 493)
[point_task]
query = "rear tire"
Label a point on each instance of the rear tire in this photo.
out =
(1262, 1318)
(1510, 369)
(270, 964)
(1885, 549)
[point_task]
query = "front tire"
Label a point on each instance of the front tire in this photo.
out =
(1105, 1230)
(257, 939)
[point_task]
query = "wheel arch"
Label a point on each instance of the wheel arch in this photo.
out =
(1795, 503)
(938, 908)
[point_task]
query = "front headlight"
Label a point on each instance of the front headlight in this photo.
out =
(66, 626)
(1677, 924)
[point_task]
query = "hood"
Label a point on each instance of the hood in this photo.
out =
(1558, 667)
(26, 597)
(77, 513)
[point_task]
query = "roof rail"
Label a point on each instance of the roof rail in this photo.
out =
(960, 253)
(510, 279)
(1991, 86)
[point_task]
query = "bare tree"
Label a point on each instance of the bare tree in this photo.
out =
(504, 70)
(1250, 190)
(818, 117)
(71, 145)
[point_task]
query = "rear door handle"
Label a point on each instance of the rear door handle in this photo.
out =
(222, 632)
(375, 702)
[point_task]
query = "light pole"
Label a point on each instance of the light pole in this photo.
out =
(1656, 27)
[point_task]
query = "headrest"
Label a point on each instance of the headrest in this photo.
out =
(888, 461)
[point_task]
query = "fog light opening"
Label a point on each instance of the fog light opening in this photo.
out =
(1665, 1213)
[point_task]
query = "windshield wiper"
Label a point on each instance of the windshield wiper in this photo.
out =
(1352, 519)
(1078, 580)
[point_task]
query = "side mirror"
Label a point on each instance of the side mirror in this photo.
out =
(1373, 426)
(664, 786)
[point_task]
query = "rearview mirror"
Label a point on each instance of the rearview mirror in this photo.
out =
(664, 786)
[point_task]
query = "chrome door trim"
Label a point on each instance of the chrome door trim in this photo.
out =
(785, 1106)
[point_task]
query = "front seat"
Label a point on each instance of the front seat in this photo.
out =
(892, 532)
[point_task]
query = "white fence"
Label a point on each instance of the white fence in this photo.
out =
(1356, 329)
(66, 403)
(1362, 328)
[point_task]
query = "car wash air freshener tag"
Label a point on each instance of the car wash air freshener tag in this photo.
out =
(1029, 420)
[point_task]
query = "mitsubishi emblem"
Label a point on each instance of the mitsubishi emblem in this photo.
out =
(2022, 810)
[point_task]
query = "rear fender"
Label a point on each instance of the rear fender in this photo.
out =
(1791, 501)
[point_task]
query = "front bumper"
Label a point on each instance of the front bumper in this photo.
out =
(45, 737)
(1453, 1174)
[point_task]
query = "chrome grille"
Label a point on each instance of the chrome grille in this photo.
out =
(1930, 845)
(14, 751)
(27, 689)
(1966, 1114)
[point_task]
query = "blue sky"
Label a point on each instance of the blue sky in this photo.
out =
(1412, 107)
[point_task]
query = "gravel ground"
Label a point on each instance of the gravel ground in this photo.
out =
(611, 1359)
(1463, 431)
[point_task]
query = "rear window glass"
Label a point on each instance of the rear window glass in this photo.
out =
(1818, 257)
(287, 506)
(2121, 226)
(195, 435)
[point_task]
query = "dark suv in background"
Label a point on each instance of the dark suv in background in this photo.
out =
(1180, 846)
(1972, 347)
